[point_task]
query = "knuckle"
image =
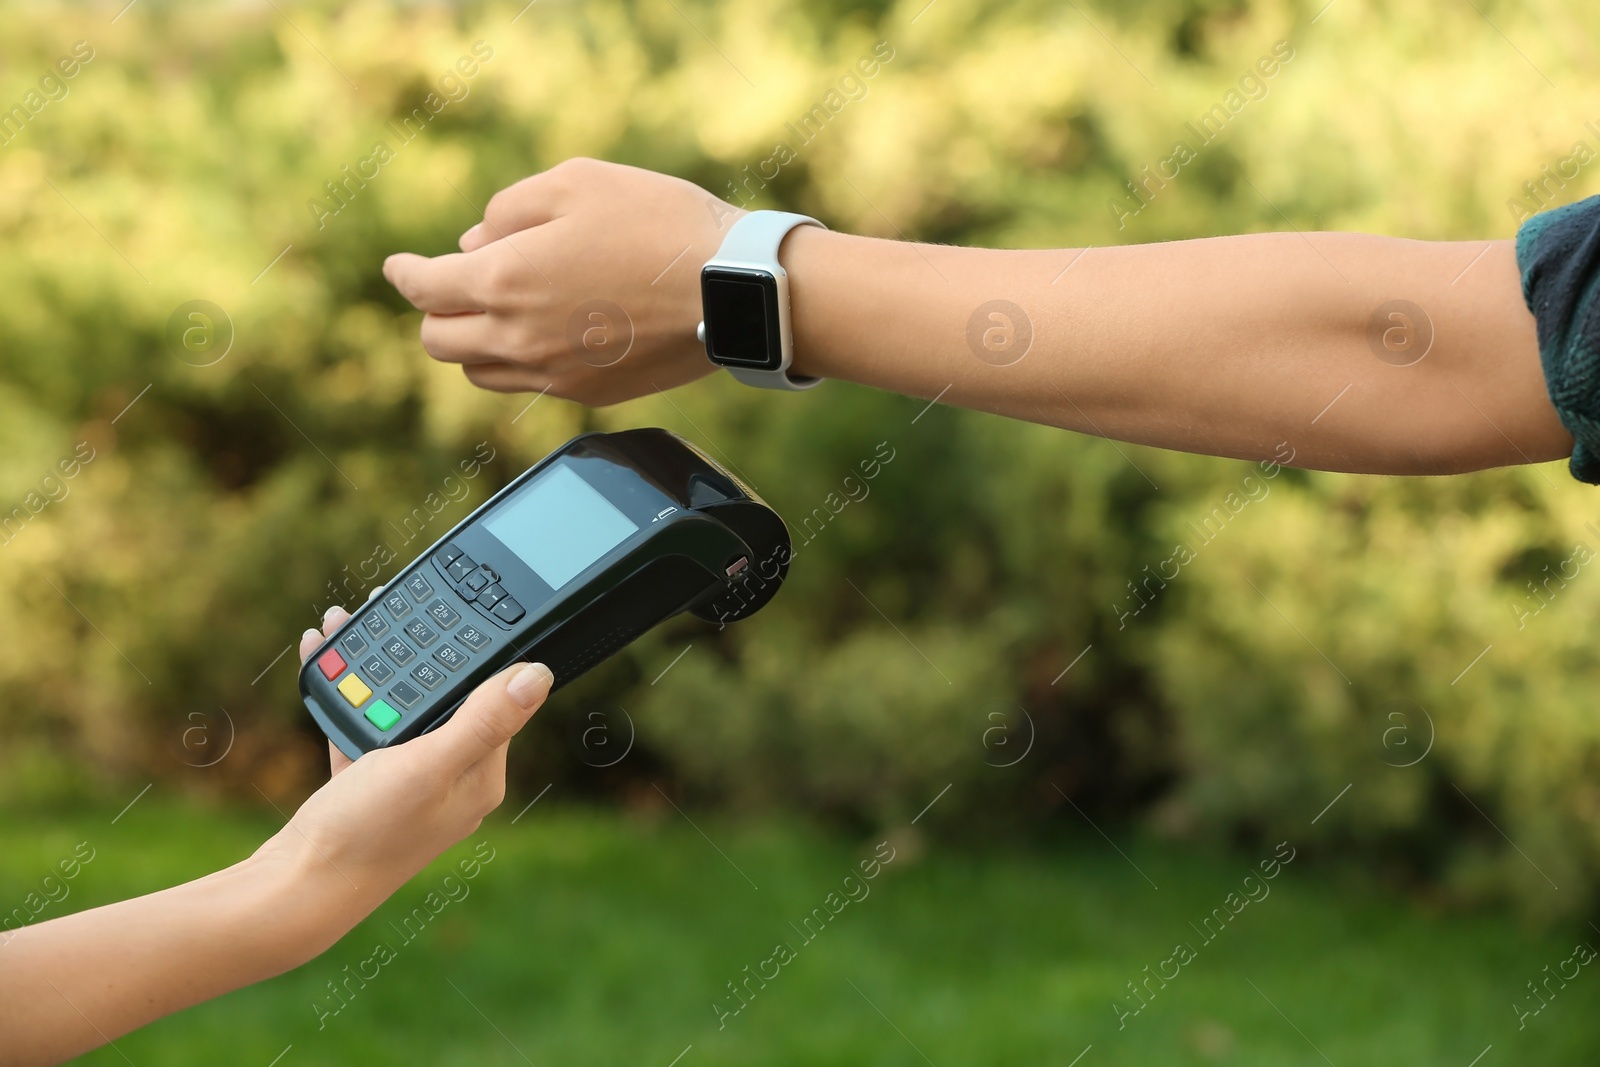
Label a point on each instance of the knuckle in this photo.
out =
(489, 731)
(576, 172)
(519, 340)
(498, 281)
(500, 204)
(432, 335)
(485, 733)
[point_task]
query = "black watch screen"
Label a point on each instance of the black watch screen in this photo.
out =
(740, 308)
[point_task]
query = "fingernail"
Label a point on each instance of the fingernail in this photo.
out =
(313, 634)
(529, 684)
(472, 230)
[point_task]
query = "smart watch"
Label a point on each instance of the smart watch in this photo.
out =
(744, 294)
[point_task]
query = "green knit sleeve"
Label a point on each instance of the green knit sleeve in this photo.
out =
(1558, 253)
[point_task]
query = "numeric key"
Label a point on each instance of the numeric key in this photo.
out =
(451, 657)
(421, 632)
(442, 613)
(429, 675)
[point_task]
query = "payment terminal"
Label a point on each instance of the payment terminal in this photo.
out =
(609, 535)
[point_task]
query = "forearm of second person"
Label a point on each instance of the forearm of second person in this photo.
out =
(1232, 346)
(74, 983)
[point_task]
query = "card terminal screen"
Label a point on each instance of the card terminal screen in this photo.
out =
(558, 524)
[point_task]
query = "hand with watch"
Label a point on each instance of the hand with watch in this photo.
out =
(586, 281)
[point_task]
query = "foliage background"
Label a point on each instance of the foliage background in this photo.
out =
(925, 632)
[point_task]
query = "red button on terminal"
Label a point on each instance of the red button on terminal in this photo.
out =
(332, 664)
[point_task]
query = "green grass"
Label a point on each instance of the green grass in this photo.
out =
(599, 939)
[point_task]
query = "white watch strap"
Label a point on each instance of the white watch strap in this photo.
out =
(772, 379)
(757, 236)
(754, 240)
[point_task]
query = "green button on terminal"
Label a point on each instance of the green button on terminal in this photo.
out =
(381, 715)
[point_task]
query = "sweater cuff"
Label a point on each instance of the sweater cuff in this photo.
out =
(1558, 253)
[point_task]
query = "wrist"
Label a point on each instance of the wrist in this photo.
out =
(300, 902)
(813, 258)
(897, 315)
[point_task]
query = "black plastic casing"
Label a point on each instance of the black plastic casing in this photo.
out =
(696, 523)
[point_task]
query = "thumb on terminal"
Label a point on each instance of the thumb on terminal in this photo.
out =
(530, 685)
(496, 710)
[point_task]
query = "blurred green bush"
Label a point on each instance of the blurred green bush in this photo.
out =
(1330, 634)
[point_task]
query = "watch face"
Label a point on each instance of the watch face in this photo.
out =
(741, 317)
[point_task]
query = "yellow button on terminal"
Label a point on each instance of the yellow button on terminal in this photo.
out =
(354, 690)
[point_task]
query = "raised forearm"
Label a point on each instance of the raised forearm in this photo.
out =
(74, 983)
(1228, 346)
(1235, 346)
